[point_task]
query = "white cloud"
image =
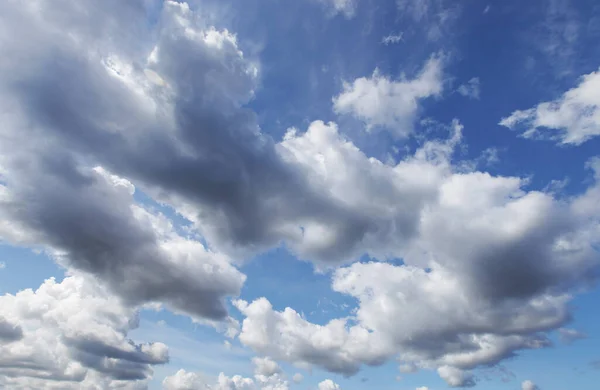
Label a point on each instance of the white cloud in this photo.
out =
(328, 384)
(456, 377)
(183, 380)
(529, 385)
(72, 334)
(298, 378)
(422, 388)
(394, 104)
(166, 112)
(265, 366)
(573, 118)
(392, 39)
(2, 265)
(470, 89)
(541, 247)
(345, 7)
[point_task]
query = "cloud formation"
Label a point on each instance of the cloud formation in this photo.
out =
(379, 101)
(104, 107)
(496, 261)
(573, 118)
(72, 334)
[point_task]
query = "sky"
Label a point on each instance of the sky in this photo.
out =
(309, 194)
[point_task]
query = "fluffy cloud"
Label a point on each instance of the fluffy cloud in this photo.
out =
(298, 378)
(328, 384)
(529, 385)
(394, 104)
(265, 366)
(183, 380)
(456, 377)
(423, 388)
(573, 118)
(495, 261)
(101, 103)
(72, 334)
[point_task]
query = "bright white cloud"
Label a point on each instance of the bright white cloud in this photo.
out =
(494, 302)
(456, 377)
(573, 118)
(529, 385)
(394, 104)
(328, 384)
(72, 334)
(183, 380)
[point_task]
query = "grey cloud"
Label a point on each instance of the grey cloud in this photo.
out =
(9, 332)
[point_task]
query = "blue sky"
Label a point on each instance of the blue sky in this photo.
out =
(317, 194)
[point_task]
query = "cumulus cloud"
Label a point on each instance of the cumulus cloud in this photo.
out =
(298, 378)
(102, 104)
(328, 384)
(265, 366)
(72, 334)
(456, 377)
(496, 261)
(470, 89)
(529, 385)
(394, 104)
(573, 118)
(183, 380)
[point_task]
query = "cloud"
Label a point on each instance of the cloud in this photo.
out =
(433, 19)
(328, 384)
(392, 39)
(298, 378)
(394, 104)
(471, 89)
(529, 385)
(456, 377)
(102, 104)
(345, 7)
(496, 261)
(265, 366)
(72, 334)
(183, 380)
(573, 118)
(422, 388)
(568, 336)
